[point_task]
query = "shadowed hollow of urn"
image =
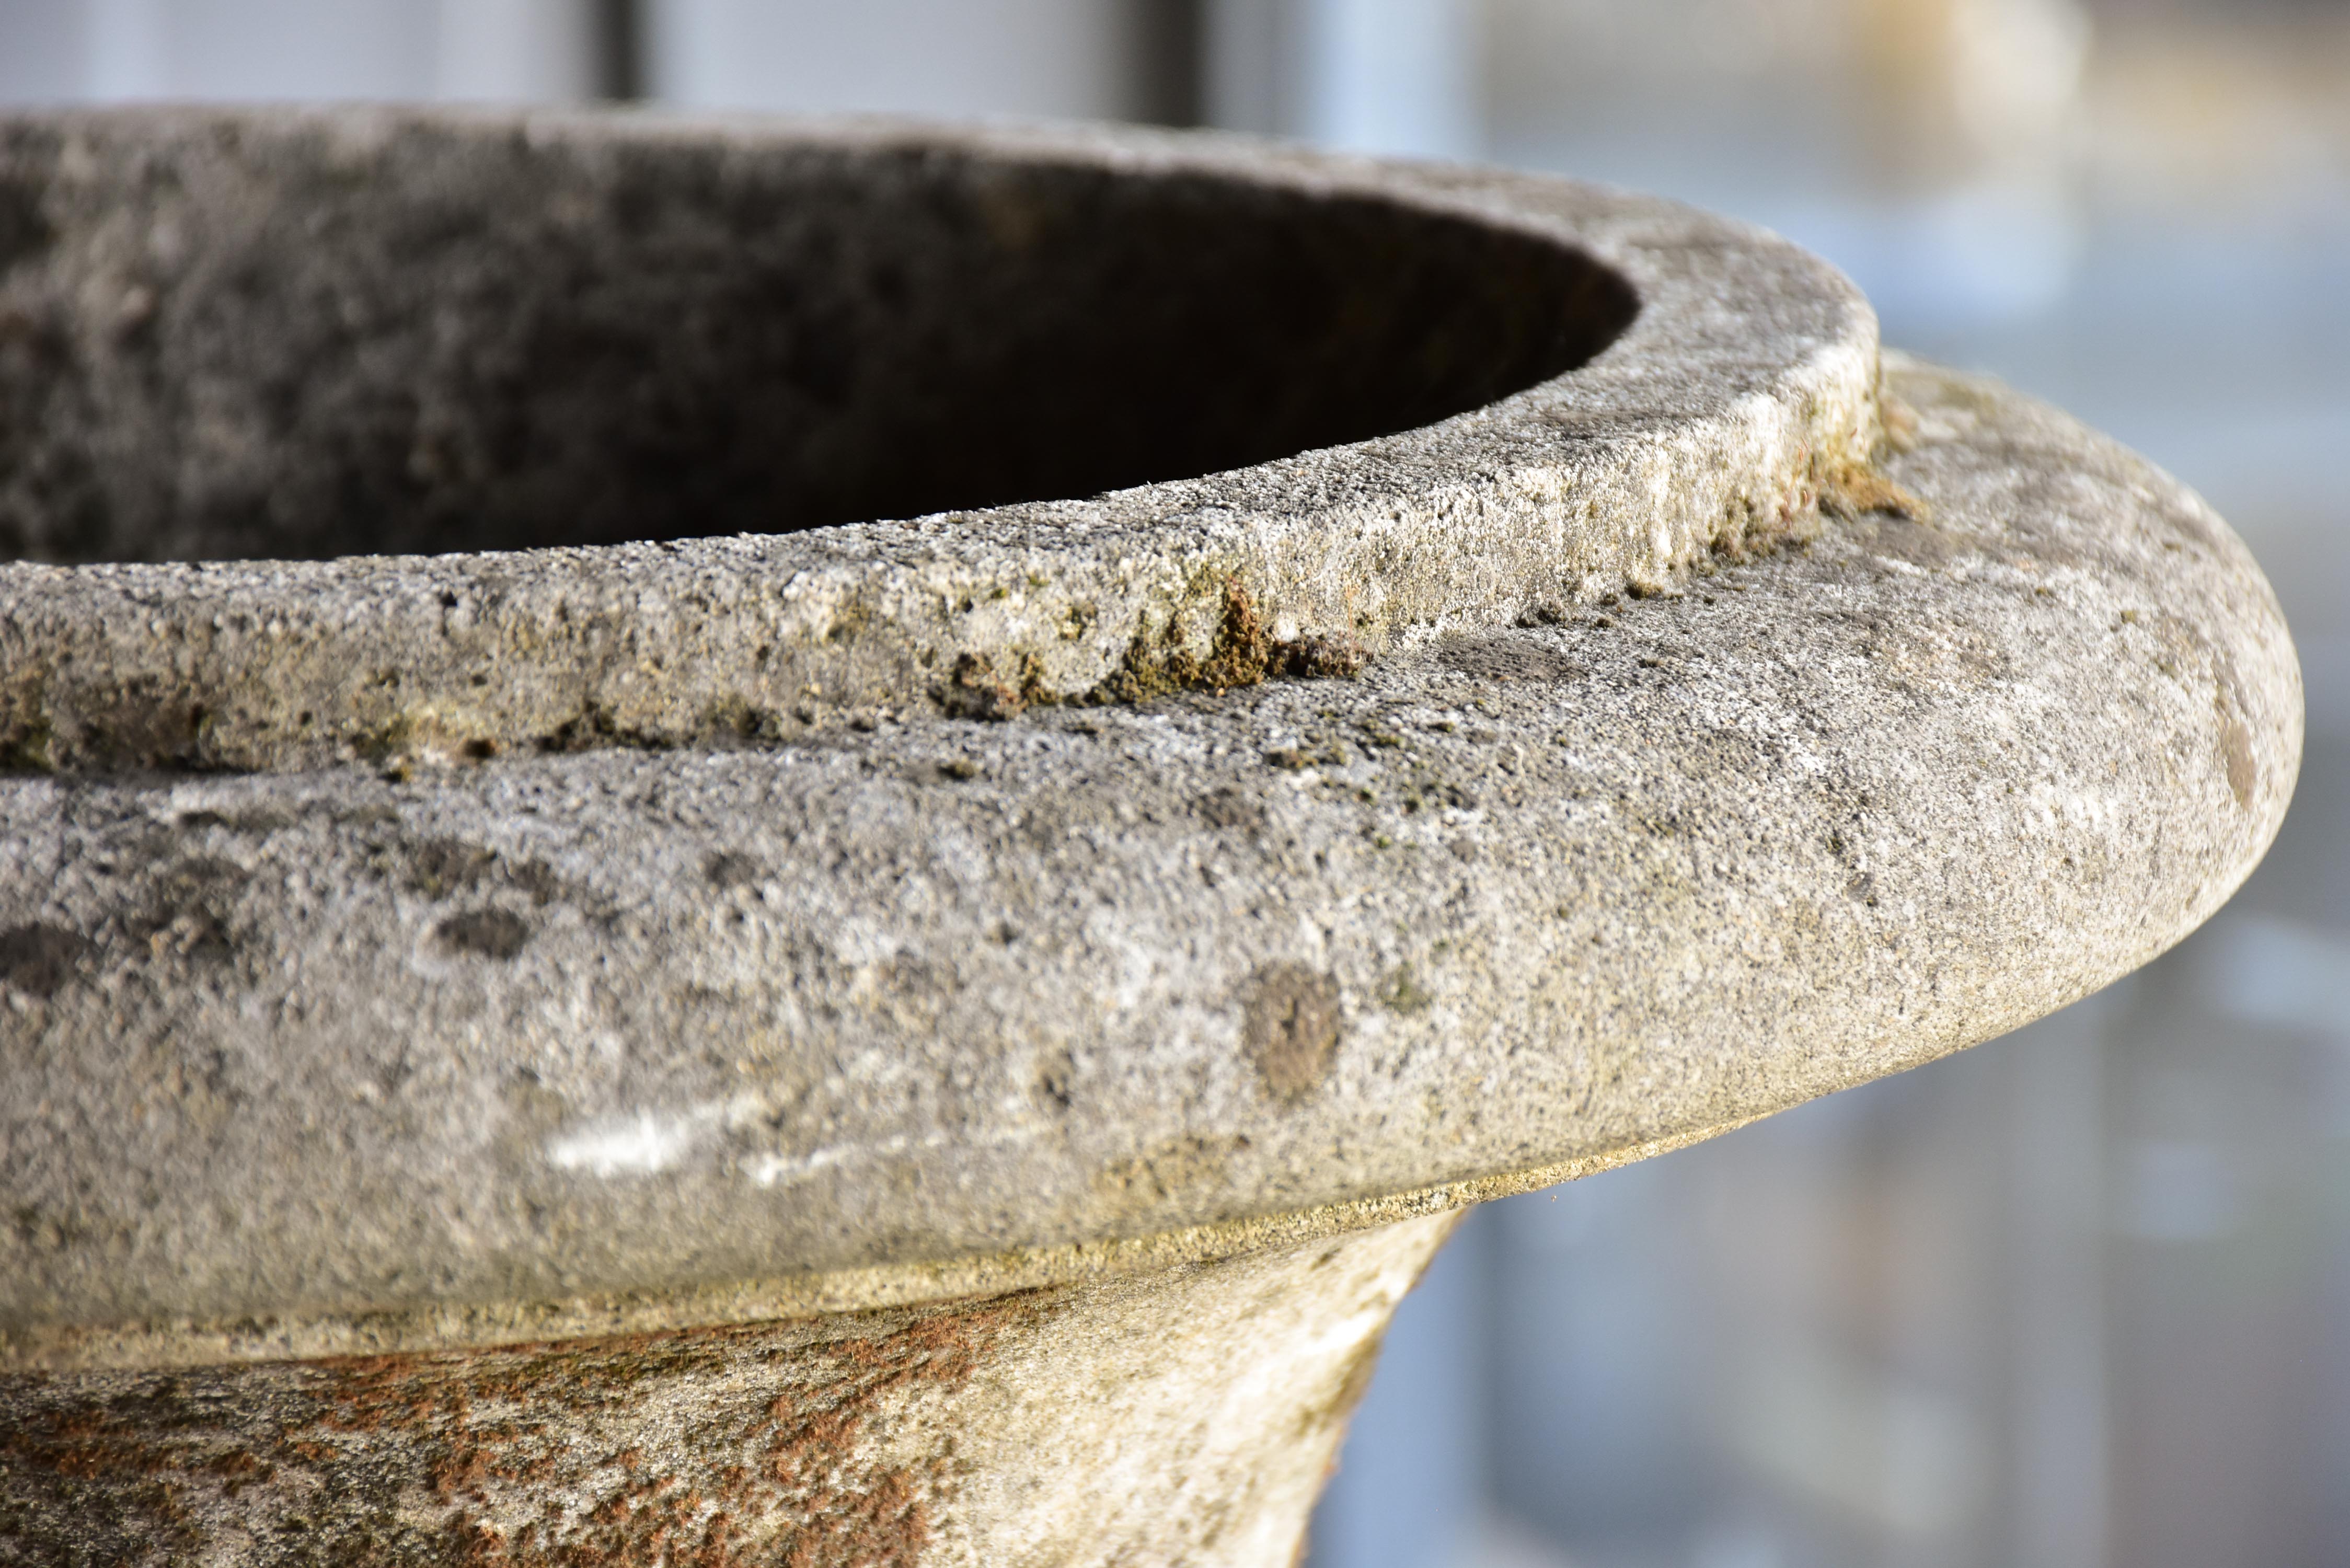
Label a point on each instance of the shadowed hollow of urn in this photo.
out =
(242, 349)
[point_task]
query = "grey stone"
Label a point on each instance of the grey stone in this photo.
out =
(799, 925)
(1186, 1415)
(594, 329)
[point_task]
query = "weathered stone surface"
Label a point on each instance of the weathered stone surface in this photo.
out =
(618, 1023)
(414, 956)
(385, 332)
(1183, 1416)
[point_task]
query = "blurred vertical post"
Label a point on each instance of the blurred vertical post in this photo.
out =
(620, 44)
(1095, 59)
(1400, 77)
(501, 51)
(1168, 49)
(522, 51)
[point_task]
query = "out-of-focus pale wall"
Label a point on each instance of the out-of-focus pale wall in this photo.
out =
(1058, 57)
(1369, 76)
(69, 51)
(1113, 59)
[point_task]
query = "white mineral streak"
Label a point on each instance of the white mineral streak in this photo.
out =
(637, 1145)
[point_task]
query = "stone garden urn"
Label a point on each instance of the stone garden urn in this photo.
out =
(836, 842)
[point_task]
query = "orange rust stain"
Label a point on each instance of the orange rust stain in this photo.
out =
(714, 1449)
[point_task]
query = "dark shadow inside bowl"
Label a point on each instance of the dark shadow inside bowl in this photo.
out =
(249, 339)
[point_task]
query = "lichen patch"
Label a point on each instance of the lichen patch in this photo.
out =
(1289, 1027)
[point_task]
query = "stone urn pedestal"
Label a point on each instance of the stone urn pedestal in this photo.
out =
(568, 996)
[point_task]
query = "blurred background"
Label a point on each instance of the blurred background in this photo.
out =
(2077, 1298)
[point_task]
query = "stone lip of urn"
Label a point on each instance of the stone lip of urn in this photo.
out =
(566, 997)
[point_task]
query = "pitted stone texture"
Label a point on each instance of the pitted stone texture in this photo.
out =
(1183, 1416)
(301, 334)
(583, 1026)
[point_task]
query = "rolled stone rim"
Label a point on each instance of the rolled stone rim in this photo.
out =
(726, 928)
(1717, 382)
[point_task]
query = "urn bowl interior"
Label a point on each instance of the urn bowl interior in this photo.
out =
(235, 337)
